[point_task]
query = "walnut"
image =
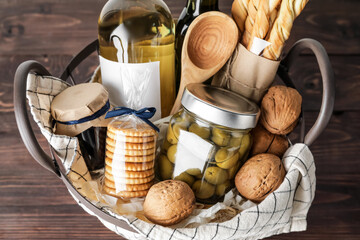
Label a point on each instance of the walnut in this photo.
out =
(260, 176)
(266, 142)
(280, 109)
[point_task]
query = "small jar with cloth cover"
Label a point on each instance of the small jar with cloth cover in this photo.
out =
(80, 111)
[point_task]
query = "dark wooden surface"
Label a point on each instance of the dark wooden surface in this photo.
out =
(35, 205)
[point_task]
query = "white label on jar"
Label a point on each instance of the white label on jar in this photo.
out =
(192, 152)
(133, 85)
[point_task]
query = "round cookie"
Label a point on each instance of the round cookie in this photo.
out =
(128, 187)
(130, 174)
(129, 145)
(130, 139)
(128, 152)
(135, 159)
(122, 180)
(131, 166)
(127, 129)
(124, 194)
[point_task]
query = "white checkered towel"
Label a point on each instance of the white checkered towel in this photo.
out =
(283, 211)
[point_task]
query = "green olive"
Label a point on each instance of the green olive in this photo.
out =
(185, 177)
(202, 132)
(179, 126)
(176, 124)
(235, 141)
(194, 171)
(226, 157)
(170, 136)
(199, 176)
(171, 153)
(232, 171)
(222, 188)
(245, 145)
(203, 190)
(166, 168)
(166, 145)
(215, 175)
(220, 137)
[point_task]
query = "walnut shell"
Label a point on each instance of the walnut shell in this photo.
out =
(266, 142)
(169, 202)
(260, 176)
(280, 109)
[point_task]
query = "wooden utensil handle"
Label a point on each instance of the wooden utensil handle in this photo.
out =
(177, 104)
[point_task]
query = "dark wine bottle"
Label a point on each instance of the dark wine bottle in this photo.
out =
(192, 9)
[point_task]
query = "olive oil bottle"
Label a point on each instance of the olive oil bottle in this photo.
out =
(192, 9)
(137, 55)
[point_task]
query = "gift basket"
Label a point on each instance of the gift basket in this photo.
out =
(194, 167)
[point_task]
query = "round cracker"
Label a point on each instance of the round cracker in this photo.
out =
(121, 180)
(129, 145)
(130, 129)
(124, 194)
(128, 187)
(129, 174)
(130, 139)
(131, 166)
(130, 152)
(133, 158)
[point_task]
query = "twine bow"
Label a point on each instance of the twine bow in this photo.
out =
(144, 114)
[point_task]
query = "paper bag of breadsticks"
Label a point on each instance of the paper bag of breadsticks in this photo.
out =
(265, 25)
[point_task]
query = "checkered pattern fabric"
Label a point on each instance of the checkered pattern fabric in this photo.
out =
(40, 92)
(283, 211)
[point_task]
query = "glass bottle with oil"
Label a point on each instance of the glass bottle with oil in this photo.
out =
(137, 56)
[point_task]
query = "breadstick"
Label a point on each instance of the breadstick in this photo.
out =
(273, 16)
(280, 32)
(274, 4)
(239, 12)
(250, 20)
(253, 7)
(261, 25)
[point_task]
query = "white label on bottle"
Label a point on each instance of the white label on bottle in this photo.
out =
(192, 152)
(133, 85)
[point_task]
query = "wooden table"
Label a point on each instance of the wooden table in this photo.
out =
(34, 204)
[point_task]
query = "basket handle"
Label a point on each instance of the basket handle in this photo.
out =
(31, 143)
(328, 79)
(22, 118)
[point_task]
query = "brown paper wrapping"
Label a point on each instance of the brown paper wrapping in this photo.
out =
(81, 101)
(247, 74)
(74, 130)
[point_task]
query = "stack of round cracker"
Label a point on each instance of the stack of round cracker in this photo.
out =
(129, 162)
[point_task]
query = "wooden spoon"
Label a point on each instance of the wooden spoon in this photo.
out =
(208, 44)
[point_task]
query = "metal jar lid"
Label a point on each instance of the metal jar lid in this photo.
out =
(220, 106)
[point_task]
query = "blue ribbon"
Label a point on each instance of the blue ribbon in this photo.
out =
(144, 114)
(96, 115)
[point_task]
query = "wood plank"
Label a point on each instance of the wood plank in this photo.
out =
(306, 75)
(65, 27)
(36, 205)
(55, 64)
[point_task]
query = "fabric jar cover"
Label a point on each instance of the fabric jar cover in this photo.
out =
(87, 101)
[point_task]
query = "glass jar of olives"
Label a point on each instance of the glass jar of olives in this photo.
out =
(208, 140)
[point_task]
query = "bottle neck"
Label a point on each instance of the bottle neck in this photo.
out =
(200, 6)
